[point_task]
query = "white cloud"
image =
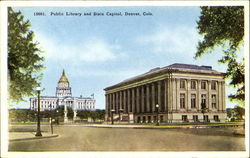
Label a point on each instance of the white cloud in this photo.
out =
(90, 50)
(171, 40)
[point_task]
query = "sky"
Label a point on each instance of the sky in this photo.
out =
(100, 51)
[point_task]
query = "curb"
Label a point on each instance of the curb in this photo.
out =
(33, 138)
(165, 127)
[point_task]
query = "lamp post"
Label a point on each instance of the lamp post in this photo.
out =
(38, 131)
(157, 113)
(203, 111)
(57, 117)
(51, 123)
(112, 119)
(120, 111)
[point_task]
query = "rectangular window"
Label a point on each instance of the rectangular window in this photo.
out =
(154, 118)
(182, 84)
(206, 118)
(203, 101)
(149, 119)
(195, 118)
(193, 101)
(216, 118)
(161, 118)
(213, 101)
(144, 119)
(203, 84)
(193, 84)
(184, 118)
(182, 100)
(213, 85)
(138, 119)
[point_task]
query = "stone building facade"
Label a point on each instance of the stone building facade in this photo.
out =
(175, 93)
(63, 97)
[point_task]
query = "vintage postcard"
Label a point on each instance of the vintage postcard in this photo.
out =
(137, 79)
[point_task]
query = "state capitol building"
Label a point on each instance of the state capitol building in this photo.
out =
(63, 97)
(175, 93)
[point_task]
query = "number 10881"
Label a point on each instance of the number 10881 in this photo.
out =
(39, 14)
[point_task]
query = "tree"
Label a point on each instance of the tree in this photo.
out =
(224, 26)
(22, 115)
(24, 59)
(60, 110)
(239, 112)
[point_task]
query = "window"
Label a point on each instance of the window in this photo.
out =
(203, 101)
(149, 119)
(213, 85)
(182, 84)
(206, 118)
(195, 118)
(193, 84)
(213, 101)
(203, 84)
(193, 101)
(138, 119)
(154, 118)
(184, 118)
(161, 118)
(182, 100)
(216, 118)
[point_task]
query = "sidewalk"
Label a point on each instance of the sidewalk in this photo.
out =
(161, 126)
(19, 136)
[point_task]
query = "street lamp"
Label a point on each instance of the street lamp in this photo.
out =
(112, 119)
(38, 131)
(51, 123)
(157, 113)
(120, 111)
(203, 111)
(57, 117)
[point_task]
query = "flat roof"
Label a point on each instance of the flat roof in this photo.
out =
(176, 67)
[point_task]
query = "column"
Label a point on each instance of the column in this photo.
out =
(178, 94)
(153, 97)
(124, 101)
(115, 102)
(209, 96)
(223, 96)
(137, 100)
(142, 99)
(133, 100)
(166, 95)
(106, 105)
(173, 94)
(113, 98)
(120, 100)
(219, 96)
(147, 99)
(159, 95)
(188, 100)
(128, 100)
(198, 96)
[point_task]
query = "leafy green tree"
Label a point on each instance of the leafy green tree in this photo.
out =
(224, 26)
(239, 112)
(98, 114)
(22, 115)
(83, 114)
(60, 112)
(24, 59)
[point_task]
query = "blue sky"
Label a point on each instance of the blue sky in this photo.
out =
(99, 51)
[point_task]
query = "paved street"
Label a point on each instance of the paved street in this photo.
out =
(79, 138)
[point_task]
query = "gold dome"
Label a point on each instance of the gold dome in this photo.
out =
(63, 79)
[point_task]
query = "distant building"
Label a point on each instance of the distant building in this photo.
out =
(183, 93)
(63, 96)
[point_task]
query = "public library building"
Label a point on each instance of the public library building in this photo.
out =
(172, 94)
